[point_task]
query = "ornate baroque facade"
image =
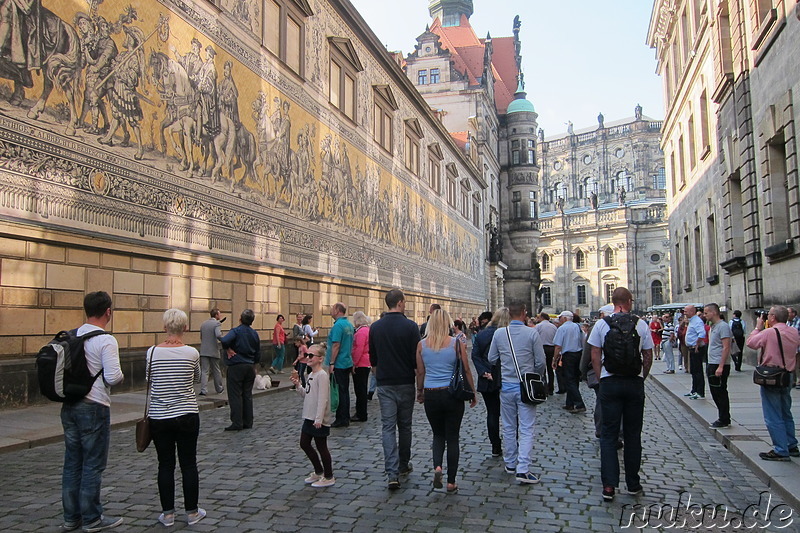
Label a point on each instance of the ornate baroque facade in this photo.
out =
(262, 154)
(730, 88)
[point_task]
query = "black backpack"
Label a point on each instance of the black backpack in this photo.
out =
(61, 367)
(621, 354)
(737, 329)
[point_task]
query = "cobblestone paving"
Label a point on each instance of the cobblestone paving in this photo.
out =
(253, 480)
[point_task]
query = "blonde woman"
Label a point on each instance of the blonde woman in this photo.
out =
(172, 369)
(436, 361)
(361, 364)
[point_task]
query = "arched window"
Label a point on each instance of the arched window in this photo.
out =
(580, 260)
(608, 257)
(546, 263)
(657, 292)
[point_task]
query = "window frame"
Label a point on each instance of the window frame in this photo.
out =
(384, 106)
(296, 11)
(412, 141)
(422, 76)
(438, 77)
(581, 294)
(435, 158)
(580, 260)
(451, 177)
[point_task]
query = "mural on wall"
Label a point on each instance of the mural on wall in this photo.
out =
(147, 87)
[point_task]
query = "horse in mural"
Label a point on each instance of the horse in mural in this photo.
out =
(54, 48)
(177, 93)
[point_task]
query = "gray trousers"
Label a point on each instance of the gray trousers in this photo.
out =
(212, 364)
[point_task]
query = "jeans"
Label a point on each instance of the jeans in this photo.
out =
(492, 402)
(696, 368)
(168, 434)
(360, 383)
(621, 402)
(212, 364)
(776, 403)
(87, 432)
(240, 394)
(444, 415)
(277, 358)
(551, 380)
(373, 382)
(720, 393)
(342, 377)
(397, 410)
(570, 362)
(668, 355)
(519, 418)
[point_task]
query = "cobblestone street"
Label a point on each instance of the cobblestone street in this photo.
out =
(253, 480)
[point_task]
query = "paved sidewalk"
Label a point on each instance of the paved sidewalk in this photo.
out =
(41, 424)
(747, 435)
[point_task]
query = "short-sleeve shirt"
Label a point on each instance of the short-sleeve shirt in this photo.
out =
(598, 336)
(720, 330)
(570, 337)
(341, 332)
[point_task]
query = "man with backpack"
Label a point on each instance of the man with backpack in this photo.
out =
(87, 424)
(737, 330)
(622, 354)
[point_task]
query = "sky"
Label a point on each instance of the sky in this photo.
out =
(580, 57)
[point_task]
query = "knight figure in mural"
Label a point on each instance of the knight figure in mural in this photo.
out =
(20, 40)
(99, 52)
(205, 80)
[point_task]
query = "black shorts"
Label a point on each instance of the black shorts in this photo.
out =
(309, 429)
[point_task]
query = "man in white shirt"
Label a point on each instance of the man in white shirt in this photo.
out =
(87, 425)
(569, 347)
(621, 393)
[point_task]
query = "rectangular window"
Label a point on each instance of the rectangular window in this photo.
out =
(336, 76)
(698, 255)
(704, 131)
(531, 157)
(778, 206)
(678, 267)
(581, 294)
(283, 31)
(711, 231)
(687, 270)
(293, 44)
(349, 96)
(434, 75)
(532, 211)
(515, 145)
(272, 27)
(464, 204)
(451, 191)
(547, 299)
(383, 115)
(476, 214)
(692, 143)
(516, 202)
(422, 77)
(412, 153)
(515, 157)
(681, 163)
(434, 174)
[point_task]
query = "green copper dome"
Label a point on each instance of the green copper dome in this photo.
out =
(520, 104)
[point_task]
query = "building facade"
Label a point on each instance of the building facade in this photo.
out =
(730, 90)
(267, 155)
(603, 217)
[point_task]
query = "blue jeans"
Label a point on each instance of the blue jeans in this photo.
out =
(519, 418)
(776, 403)
(622, 402)
(397, 410)
(277, 358)
(87, 432)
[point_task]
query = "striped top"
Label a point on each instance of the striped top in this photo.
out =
(172, 373)
(669, 328)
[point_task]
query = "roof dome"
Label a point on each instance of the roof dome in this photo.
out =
(520, 104)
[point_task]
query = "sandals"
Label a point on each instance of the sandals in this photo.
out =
(437, 479)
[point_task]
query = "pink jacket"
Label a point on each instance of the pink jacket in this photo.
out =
(361, 347)
(768, 340)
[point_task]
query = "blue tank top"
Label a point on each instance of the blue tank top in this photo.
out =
(439, 364)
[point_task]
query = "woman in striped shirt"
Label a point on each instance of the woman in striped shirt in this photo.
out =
(172, 369)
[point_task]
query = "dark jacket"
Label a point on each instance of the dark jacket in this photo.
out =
(393, 349)
(245, 342)
(480, 352)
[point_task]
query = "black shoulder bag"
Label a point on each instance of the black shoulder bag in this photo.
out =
(772, 376)
(532, 388)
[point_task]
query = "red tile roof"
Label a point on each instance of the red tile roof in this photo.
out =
(461, 138)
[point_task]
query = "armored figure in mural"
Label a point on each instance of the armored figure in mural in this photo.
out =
(99, 52)
(205, 80)
(228, 94)
(128, 70)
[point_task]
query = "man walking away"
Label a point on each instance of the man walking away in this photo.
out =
(737, 330)
(518, 418)
(779, 345)
(243, 354)
(393, 354)
(569, 346)
(719, 366)
(622, 354)
(547, 332)
(87, 425)
(210, 335)
(339, 359)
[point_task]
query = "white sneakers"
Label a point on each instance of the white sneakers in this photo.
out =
(324, 482)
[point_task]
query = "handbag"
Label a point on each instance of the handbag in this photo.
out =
(773, 376)
(532, 387)
(459, 387)
(143, 437)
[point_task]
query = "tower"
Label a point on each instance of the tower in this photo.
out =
(449, 12)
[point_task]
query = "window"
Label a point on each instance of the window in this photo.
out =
(547, 299)
(434, 75)
(711, 232)
(476, 211)
(283, 31)
(778, 206)
(608, 257)
(422, 77)
(681, 163)
(678, 266)
(581, 294)
(516, 202)
(532, 209)
(531, 152)
(515, 157)
(546, 263)
(692, 143)
(660, 179)
(452, 177)
(704, 132)
(413, 135)
(344, 66)
(384, 106)
(609, 287)
(657, 292)
(435, 167)
(580, 260)
(698, 255)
